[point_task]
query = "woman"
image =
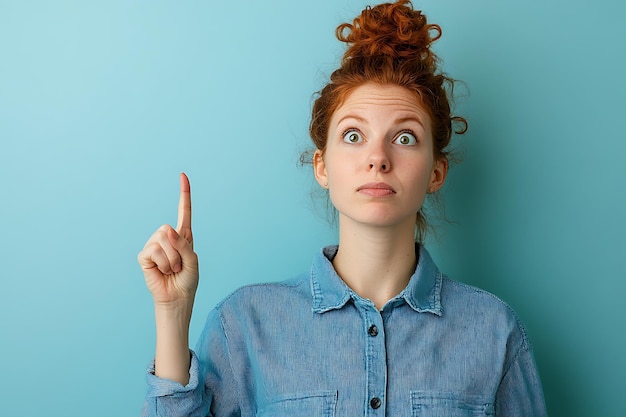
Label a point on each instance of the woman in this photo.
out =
(374, 328)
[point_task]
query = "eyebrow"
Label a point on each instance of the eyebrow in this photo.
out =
(410, 119)
(398, 120)
(351, 116)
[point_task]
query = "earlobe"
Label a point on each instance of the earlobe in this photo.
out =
(438, 175)
(319, 169)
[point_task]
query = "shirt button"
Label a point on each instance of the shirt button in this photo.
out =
(373, 330)
(375, 403)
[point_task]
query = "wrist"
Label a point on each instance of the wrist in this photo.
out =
(172, 308)
(173, 314)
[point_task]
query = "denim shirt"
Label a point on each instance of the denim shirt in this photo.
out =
(311, 346)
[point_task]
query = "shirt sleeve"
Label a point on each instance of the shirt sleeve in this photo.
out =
(166, 397)
(211, 391)
(520, 393)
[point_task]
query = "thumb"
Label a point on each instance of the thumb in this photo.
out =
(184, 248)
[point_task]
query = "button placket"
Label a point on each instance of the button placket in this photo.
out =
(376, 363)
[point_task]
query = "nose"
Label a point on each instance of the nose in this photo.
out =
(383, 166)
(379, 159)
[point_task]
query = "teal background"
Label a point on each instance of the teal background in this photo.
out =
(103, 103)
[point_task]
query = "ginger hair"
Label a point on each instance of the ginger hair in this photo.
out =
(390, 44)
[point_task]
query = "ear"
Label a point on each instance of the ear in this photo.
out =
(319, 169)
(438, 174)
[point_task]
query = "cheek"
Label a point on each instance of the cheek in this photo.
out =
(419, 175)
(336, 166)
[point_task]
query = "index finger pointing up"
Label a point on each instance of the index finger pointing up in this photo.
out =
(184, 208)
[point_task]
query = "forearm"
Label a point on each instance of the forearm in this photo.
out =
(172, 342)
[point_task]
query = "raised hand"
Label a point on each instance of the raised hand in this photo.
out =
(169, 264)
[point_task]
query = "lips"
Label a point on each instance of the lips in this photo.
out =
(376, 189)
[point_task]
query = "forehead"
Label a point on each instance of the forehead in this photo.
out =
(372, 100)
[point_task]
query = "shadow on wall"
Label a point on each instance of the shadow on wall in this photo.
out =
(492, 239)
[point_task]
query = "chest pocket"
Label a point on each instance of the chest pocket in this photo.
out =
(438, 404)
(316, 404)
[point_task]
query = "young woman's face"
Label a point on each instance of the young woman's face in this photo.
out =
(378, 163)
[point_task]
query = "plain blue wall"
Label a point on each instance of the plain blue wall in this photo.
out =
(103, 103)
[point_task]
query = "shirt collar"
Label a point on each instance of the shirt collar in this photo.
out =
(423, 293)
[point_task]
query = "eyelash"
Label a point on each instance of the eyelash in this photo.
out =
(408, 131)
(400, 133)
(350, 130)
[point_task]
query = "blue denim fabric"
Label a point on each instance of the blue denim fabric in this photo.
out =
(312, 347)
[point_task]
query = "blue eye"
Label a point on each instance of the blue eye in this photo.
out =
(405, 138)
(352, 136)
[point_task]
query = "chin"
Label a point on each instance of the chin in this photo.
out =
(384, 219)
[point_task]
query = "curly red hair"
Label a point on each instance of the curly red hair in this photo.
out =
(390, 44)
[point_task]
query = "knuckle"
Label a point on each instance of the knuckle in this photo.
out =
(162, 231)
(174, 257)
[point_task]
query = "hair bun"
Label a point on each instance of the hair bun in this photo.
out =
(394, 30)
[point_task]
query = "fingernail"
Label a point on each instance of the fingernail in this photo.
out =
(176, 268)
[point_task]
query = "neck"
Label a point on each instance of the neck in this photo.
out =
(375, 262)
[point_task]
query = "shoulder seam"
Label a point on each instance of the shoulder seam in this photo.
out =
(525, 345)
(291, 283)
